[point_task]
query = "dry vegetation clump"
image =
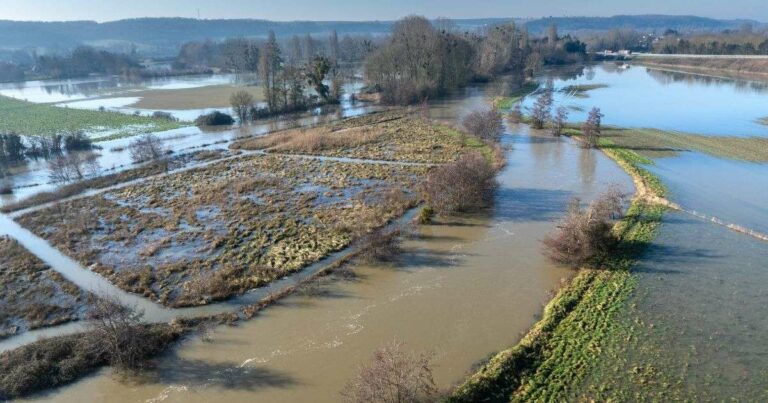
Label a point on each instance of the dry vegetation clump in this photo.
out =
(486, 125)
(393, 376)
(33, 294)
(381, 245)
(465, 185)
(209, 233)
(585, 234)
(392, 136)
(57, 361)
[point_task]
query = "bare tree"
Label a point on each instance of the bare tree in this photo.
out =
(560, 120)
(591, 129)
(147, 148)
(542, 109)
(393, 376)
(118, 333)
(242, 102)
(72, 166)
(585, 233)
(484, 124)
(464, 185)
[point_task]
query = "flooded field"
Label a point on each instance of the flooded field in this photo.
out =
(462, 289)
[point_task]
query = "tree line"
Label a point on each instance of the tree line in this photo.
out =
(422, 59)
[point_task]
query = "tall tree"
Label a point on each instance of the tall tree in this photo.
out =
(270, 64)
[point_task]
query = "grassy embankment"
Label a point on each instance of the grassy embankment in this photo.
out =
(731, 68)
(507, 102)
(582, 90)
(28, 118)
(561, 349)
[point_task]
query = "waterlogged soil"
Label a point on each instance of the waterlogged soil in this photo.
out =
(34, 295)
(391, 136)
(695, 329)
(209, 233)
(463, 288)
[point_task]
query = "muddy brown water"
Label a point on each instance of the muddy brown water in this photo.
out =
(462, 290)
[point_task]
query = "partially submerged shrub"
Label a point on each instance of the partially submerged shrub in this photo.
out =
(146, 148)
(393, 376)
(425, 215)
(214, 118)
(484, 124)
(464, 185)
(381, 245)
(584, 234)
(164, 115)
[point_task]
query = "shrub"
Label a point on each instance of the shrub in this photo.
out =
(77, 141)
(242, 103)
(214, 118)
(393, 376)
(146, 148)
(484, 124)
(584, 234)
(425, 215)
(381, 245)
(516, 114)
(464, 185)
(165, 116)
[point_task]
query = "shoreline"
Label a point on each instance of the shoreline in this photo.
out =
(557, 353)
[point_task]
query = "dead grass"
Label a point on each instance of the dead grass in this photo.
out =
(391, 136)
(33, 294)
(209, 233)
(213, 96)
(736, 68)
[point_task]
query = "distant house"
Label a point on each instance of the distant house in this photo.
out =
(625, 52)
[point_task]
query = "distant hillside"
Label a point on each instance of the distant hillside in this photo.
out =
(168, 33)
(162, 36)
(682, 23)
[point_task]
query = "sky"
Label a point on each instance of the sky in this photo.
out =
(289, 10)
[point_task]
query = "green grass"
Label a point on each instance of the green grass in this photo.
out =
(506, 103)
(561, 349)
(27, 118)
(580, 90)
(654, 143)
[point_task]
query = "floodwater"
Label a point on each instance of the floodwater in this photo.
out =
(462, 290)
(642, 98)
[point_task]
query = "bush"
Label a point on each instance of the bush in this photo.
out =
(393, 376)
(77, 141)
(484, 124)
(381, 245)
(465, 185)
(214, 118)
(146, 148)
(585, 234)
(242, 103)
(165, 116)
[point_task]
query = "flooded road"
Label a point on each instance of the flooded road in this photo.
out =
(463, 290)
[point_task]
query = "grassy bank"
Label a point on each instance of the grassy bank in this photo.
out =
(28, 118)
(212, 96)
(731, 68)
(507, 102)
(654, 143)
(560, 350)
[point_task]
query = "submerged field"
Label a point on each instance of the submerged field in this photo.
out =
(213, 232)
(30, 119)
(653, 143)
(33, 294)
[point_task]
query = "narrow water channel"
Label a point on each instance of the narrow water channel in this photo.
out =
(462, 290)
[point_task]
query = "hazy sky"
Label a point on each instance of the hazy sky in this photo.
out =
(106, 10)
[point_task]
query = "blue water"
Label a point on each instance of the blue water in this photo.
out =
(640, 97)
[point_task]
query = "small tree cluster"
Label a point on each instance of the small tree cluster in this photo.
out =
(585, 233)
(464, 185)
(118, 334)
(591, 129)
(381, 245)
(484, 124)
(242, 103)
(214, 118)
(72, 166)
(393, 376)
(542, 110)
(560, 120)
